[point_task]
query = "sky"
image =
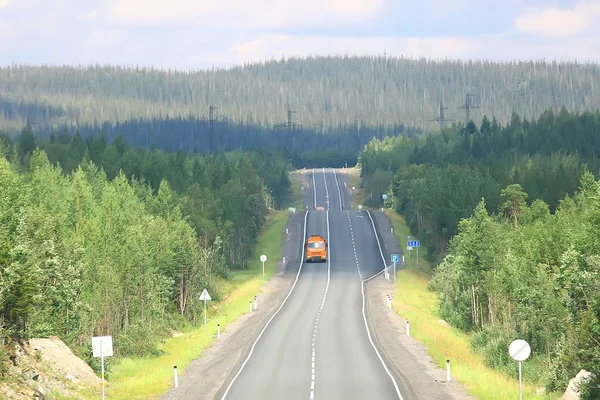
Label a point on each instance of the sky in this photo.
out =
(198, 34)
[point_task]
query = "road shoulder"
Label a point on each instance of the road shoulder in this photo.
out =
(404, 352)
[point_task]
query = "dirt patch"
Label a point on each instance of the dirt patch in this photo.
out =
(205, 375)
(43, 368)
(409, 357)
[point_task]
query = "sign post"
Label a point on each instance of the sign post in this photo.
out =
(519, 350)
(102, 347)
(394, 260)
(205, 296)
(409, 246)
(263, 258)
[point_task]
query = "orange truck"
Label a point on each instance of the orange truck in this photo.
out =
(316, 249)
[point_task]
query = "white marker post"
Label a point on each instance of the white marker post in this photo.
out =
(102, 347)
(175, 376)
(447, 370)
(218, 331)
(205, 296)
(263, 258)
(255, 303)
(520, 351)
(407, 328)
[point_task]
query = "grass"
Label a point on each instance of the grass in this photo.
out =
(419, 305)
(358, 197)
(297, 191)
(148, 378)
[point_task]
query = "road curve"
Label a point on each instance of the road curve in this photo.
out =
(317, 344)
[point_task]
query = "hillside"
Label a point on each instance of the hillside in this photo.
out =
(327, 92)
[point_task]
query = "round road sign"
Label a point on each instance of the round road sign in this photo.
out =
(360, 207)
(263, 258)
(519, 350)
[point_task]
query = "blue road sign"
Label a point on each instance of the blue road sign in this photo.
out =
(384, 196)
(413, 243)
(395, 258)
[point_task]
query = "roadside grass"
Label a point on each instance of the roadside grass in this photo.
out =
(354, 180)
(418, 305)
(149, 378)
(297, 191)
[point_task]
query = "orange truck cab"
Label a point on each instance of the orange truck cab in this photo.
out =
(316, 249)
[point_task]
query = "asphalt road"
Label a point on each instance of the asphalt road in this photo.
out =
(317, 345)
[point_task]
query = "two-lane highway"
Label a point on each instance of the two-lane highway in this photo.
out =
(317, 344)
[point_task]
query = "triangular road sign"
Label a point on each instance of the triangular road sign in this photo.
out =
(204, 295)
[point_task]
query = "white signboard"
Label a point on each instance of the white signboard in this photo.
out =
(104, 343)
(263, 258)
(519, 350)
(205, 295)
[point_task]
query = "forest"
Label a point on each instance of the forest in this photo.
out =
(328, 94)
(511, 214)
(99, 238)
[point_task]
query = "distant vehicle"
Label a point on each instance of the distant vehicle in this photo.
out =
(320, 208)
(316, 249)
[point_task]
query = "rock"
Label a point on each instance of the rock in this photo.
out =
(31, 375)
(572, 392)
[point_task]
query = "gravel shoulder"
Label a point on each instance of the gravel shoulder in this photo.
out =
(408, 357)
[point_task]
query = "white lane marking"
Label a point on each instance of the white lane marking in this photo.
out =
(312, 381)
(339, 190)
(273, 316)
(314, 189)
(378, 243)
(362, 287)
(353, 245)
(326, 196)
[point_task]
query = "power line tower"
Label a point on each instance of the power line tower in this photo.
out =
(468, 106)
(442, 118)
(289, 122)
(212, 118)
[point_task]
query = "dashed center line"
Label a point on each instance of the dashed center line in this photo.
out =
(354, 245)
(312, 379)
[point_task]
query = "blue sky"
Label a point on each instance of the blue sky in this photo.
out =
(191, 34)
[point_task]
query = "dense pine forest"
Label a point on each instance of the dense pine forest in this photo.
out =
(511, 214)
(101, 238)
(327, 93)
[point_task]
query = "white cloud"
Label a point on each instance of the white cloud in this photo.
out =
(87, 16)
(555, 23)
(160, 10)
(240, 14)
(3, 3)
(104, 40)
